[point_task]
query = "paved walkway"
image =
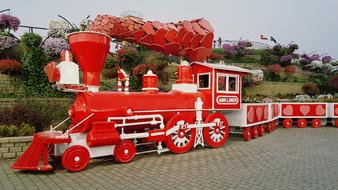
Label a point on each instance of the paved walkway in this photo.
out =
(286, 159)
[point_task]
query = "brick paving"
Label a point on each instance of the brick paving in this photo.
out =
(285, 159)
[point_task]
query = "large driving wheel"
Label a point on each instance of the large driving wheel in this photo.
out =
(216, 136)
(287, 123)
(75, 158)
(181, 138)
(125, 151)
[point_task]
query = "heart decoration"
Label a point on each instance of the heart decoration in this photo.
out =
(250, 115)
(304, 109)
(266, 114)
(259, 113)
(320, 110)
(336, 111)
(288, 110)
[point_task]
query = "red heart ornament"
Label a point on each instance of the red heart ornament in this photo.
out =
(304, 109)
(250, 115)
(320, 110)
(288, 110)
(266, 114)
(259, 113)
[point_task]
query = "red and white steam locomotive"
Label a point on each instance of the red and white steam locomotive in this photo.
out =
(199, 110)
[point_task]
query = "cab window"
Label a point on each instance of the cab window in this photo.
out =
(232, 84)
(203, 81)
(222, 83)
(227, 83)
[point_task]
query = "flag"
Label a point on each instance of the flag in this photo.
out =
(263, 37)
(121, 74)
(273, 39)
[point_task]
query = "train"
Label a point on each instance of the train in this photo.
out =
(202, 109)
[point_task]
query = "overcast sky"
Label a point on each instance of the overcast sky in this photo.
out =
(313, 24)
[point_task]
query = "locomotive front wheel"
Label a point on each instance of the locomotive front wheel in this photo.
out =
(125, 151)
(247, 134)
(254, 132)
(216, 136)
(261, 131)
(183, 138)
(301, 123)
(75, 158)
(316, 123)
(287, 123)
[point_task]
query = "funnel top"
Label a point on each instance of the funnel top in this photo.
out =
(90, 50)
(87, 32)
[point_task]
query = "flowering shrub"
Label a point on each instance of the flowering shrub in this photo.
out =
(275, 69)
(54, 46)
(9, 21)
(314, 57)
(286, 58)
(257, 76)
(293, 47)
(84, 24)
(31, 40)
(311, 88)
(229, 50)
(333, 83)
(290, 70)
(7, 42)
(9, 66)
(58, 28)
(142, 69)
(237, 50)
(216, 57)
(326, 59)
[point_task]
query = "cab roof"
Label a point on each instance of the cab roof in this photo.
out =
(222, 66)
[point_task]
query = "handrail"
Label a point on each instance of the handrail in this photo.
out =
(69, 130)
(52, 129)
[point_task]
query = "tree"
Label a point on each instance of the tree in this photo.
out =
(34, 60)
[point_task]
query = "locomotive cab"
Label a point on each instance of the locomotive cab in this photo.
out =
(221, 84)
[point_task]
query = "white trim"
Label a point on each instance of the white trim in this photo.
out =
(223, 67)
(213, 89)
(227, 83)
(198, 81)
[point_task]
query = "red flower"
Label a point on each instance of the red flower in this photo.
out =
(290, 70)
(276, 68)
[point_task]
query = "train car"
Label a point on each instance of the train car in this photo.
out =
(302, 114)
(253, 119)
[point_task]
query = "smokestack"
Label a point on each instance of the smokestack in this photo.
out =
(90, 50)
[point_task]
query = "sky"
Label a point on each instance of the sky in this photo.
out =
(312, 24)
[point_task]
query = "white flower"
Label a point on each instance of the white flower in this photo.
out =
(84, 24)
(58, 28)
(257, 75)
